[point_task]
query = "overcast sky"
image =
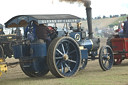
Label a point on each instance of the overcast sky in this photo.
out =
(10, 8)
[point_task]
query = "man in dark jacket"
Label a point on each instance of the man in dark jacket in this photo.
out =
(125, 28)
(43, 32)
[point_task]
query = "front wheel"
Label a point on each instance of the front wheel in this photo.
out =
(106, 58)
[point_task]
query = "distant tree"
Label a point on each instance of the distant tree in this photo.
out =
(99, 17)
(95, 17)
(123, 14)
(82, 18)
(111, 16)
(115, 15)
(104, 16)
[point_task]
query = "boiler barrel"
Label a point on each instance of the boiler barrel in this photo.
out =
(91, 44)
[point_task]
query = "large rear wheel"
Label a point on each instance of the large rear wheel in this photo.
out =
(64, 57)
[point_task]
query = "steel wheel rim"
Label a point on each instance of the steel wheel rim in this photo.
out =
(107, 59)
(66, 57)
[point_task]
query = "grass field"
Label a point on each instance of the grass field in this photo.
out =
(91, 75)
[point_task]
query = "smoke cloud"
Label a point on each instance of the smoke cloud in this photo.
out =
(87, 3)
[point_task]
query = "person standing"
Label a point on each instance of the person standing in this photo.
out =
(30, 31)
(125, 28)
(1, 29)
(18, 34)
(79, 27)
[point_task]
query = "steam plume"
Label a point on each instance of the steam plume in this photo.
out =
(87, 3)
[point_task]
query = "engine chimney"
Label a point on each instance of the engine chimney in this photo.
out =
(89, 21)
(87, 4)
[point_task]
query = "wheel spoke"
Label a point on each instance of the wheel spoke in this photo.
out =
(105, 62)
(71, 61)
(105, 55)
(110, 61)
(68, 67)
(58, 58)
(67, 46)
(62, 68)
(57, 62)
(63, 48)
(107, 52)
(59, 52)
(71, 52)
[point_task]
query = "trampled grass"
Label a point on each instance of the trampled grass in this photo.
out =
(91, 75)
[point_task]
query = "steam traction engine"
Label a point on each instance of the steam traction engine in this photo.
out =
(68, 50)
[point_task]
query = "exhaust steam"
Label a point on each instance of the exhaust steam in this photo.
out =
(87, 3)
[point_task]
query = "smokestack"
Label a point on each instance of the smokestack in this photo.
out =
(89, 21)
(87, 4)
